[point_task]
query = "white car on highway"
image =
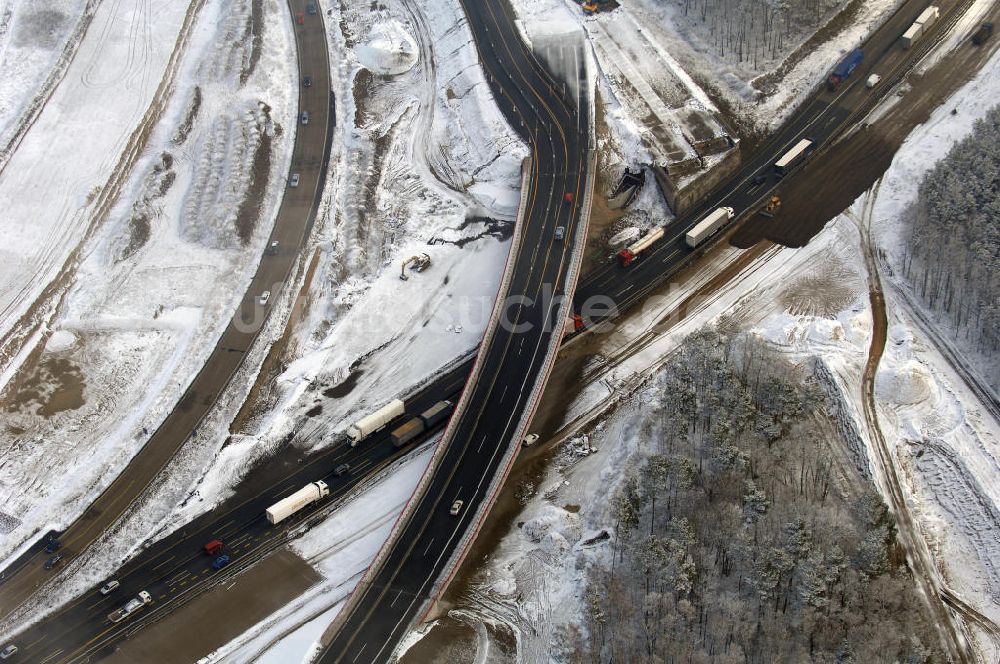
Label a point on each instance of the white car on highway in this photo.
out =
(264, 297)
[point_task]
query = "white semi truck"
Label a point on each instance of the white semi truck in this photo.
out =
(130, 607)
(793, 157)
(289, 505)
(920, 26)
(369, 424)
(704, 228)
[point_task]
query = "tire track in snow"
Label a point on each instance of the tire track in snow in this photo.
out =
(37, 105)
(45, 305)
(925, 572)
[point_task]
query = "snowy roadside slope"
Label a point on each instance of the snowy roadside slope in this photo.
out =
(158, 282)
(50, 186)
(686, 42)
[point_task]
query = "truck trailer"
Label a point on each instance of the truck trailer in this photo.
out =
(920, 26)
(426, 421)
(927, 17)
(793, 157)
(845, 68)
(130, 607)
(289, 505)
(369, 424)
(631, 252)
(436, 414)
(707, 226)
(911, 35)
(407, 431)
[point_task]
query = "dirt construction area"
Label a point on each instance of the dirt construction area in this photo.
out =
(224, 613)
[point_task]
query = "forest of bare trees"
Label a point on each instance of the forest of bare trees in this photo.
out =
(954, 243)
(747, 536)
(756, 31)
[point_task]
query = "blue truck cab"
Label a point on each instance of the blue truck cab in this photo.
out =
(845, 68)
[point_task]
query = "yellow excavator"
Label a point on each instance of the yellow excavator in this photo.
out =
(419, 263)
(772, 207)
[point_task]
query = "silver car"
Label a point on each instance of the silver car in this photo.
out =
(8, 652)
(109, 587)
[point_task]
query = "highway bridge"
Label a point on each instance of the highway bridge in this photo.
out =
(823, 117)
(514, 358)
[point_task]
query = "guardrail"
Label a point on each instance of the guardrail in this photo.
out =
(449, 431)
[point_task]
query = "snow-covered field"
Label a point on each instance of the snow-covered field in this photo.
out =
(947, 444)
(51, 188)
(36, 42)
(157, 281)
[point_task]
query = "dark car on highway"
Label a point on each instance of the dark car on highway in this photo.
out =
(52, 562)
(307, 81)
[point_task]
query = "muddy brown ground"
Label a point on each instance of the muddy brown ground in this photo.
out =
(45, 385)
(602, 217)
(221, 614)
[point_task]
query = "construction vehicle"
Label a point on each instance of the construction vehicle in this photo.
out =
(771, 208)
(419, 263)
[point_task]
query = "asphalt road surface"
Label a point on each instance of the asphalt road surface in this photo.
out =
(822, 118)
(176, 569)
(241, 522)
(295, 217)
(511, 361)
